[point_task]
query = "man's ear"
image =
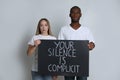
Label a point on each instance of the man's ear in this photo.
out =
(69, 15)
(80, 14)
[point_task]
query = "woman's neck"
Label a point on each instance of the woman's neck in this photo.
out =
(44, 34)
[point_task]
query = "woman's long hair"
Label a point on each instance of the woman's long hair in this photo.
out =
(38, 27)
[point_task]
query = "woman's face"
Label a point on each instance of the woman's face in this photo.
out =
(44, 27)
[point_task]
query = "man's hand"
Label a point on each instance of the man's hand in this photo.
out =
(91, 45)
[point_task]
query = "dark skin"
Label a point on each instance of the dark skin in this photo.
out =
(75, 15)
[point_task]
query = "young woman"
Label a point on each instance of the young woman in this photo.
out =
(43, 32)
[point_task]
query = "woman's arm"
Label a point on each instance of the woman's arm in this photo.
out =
(32, 48)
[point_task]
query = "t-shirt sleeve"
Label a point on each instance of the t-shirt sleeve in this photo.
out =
(90, 37)
(31, 42)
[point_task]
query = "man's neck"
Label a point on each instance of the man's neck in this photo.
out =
(75, 25)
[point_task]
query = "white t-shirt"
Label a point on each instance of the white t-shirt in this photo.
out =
(31, 42)
(82, 33)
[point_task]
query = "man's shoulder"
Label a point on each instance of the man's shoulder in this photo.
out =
(84, 27)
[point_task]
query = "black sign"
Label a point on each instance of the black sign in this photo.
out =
(63, 57)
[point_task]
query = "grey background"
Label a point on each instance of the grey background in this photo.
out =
(19, 19)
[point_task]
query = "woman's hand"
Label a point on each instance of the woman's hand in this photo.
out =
(37, 42)
(31, 48)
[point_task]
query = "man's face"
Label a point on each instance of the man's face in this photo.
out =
(75, 14)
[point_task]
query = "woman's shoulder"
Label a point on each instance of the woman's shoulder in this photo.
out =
(52, 37)
(35, 37)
